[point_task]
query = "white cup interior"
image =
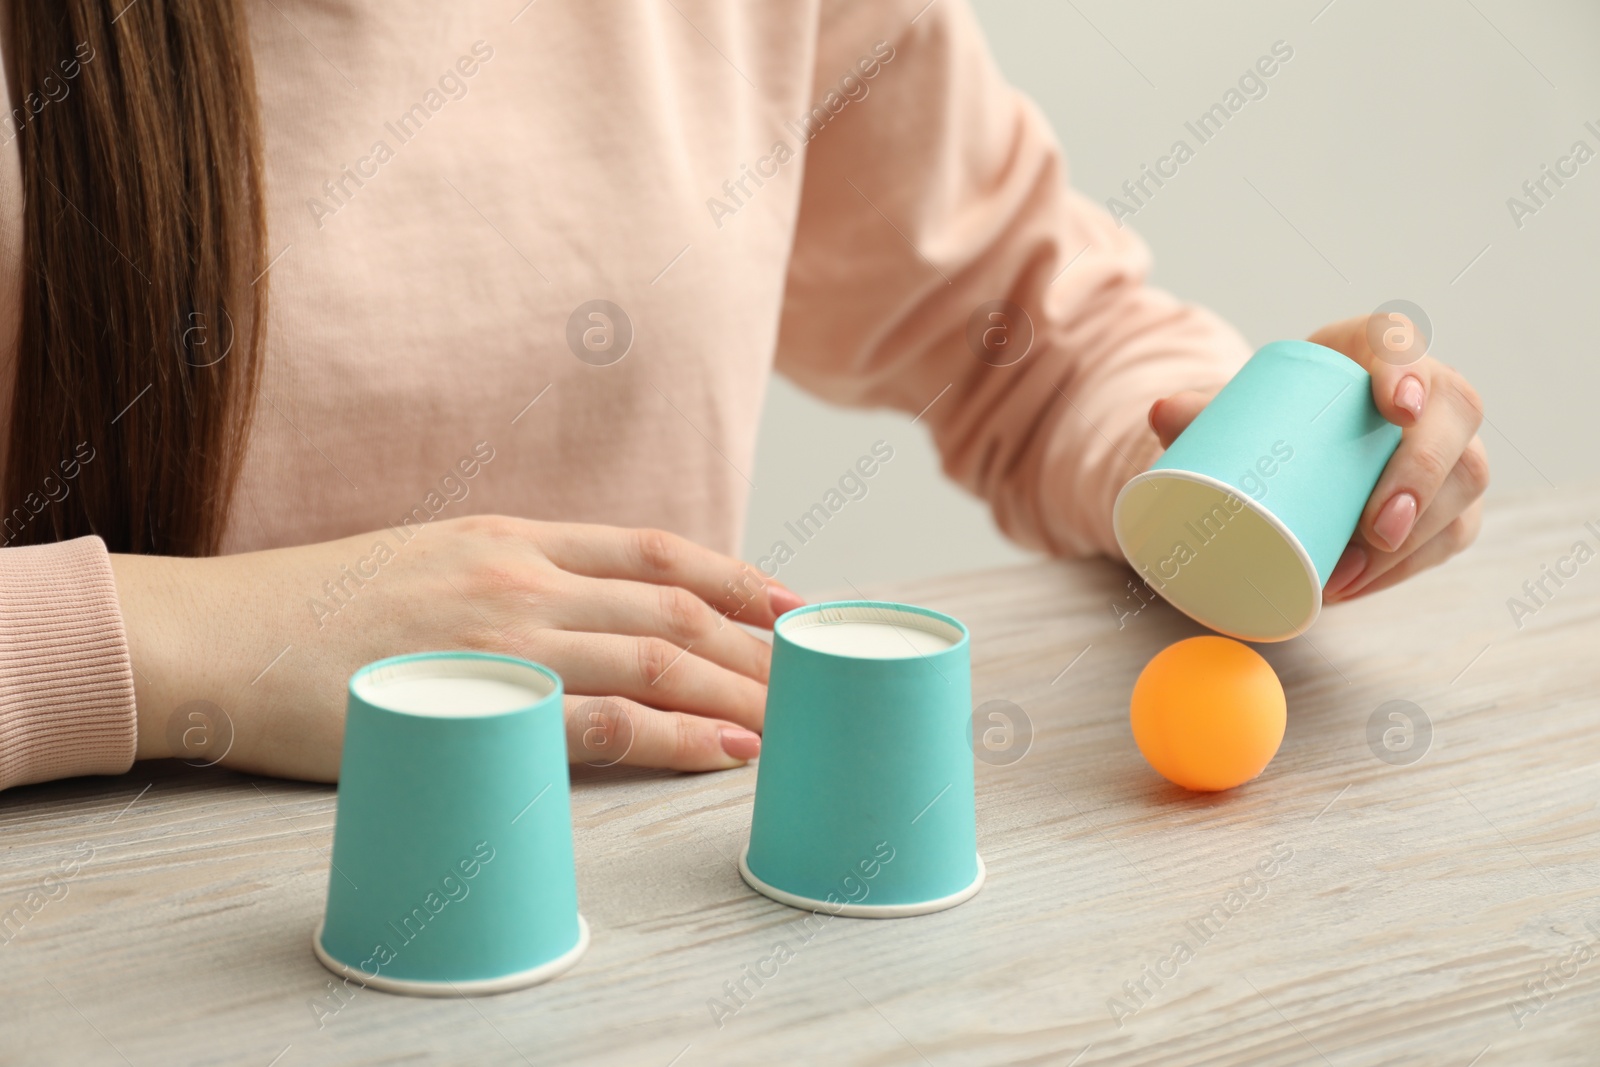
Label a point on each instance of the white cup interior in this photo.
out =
(450, 687)
(1218, 555)
(870, 631)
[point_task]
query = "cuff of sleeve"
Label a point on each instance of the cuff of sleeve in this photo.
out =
(66, 682)
(1098, 447)
(1091, 474)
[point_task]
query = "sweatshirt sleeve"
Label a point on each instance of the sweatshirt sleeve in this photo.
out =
(66, 683)
(932, 188)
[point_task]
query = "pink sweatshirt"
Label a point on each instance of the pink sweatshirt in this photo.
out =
(833, 192)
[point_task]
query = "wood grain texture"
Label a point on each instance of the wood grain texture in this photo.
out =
(1415, 903)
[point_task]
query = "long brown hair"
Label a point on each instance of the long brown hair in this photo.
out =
(144, 236)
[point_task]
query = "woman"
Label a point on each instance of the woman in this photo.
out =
(529, 267)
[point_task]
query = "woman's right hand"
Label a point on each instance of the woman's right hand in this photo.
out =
(640, 624)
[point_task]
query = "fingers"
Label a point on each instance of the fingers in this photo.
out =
(1435, 406)
(1461, 489)
(1455, 536)
(1171, 415)
(1424, 507)
(1429, 452)
(654, 672)
(662, 558)
(666, 611)
(607, 731)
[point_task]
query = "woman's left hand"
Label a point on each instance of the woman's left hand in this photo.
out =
(1427, 505)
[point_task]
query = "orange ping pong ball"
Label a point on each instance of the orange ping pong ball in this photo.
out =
(1208, 713)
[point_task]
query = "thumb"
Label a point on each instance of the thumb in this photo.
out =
(1171, 415)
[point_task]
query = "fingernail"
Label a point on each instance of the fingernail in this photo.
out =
(1394, 522)
(782, 600)
(1151, 418)
(1346, 571)
(740, 743)
(1409, 395)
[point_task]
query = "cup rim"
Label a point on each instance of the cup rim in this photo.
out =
(959, 645)
(1196, 612)
(862, 911)
(354, 691)
(443, 987)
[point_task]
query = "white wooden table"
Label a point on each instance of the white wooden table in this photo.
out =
(1441, 910)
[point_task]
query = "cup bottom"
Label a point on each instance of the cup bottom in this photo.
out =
(417, 987)
(861, 911)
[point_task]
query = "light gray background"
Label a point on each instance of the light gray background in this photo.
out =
(1391, 142)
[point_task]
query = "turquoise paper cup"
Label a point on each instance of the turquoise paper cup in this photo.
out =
(1240, 522)
(864, 792)
(452, 845)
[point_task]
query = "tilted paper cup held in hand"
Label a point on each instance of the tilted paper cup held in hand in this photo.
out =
(864, 793)
(452, 848)
(1241, 522)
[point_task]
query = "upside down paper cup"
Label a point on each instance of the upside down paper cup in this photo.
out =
(452, 857)
(1240, 522)
(864, 792)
